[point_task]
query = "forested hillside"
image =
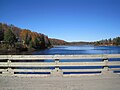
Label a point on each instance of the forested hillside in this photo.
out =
(57, 41)
(12, 37)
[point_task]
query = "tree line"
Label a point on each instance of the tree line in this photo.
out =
(114, 41)
(54, 41)
(21, 39)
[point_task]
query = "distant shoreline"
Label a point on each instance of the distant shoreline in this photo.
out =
(84, 44)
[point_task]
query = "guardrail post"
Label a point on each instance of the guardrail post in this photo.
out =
(105, 68)
(8, 71)
(57, 71)
(57, 67)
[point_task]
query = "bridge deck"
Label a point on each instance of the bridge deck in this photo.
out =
(106, 80)
(100, 82)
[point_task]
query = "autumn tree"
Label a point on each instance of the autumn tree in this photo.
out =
(42, 44)
(25, 36)
(47, 42)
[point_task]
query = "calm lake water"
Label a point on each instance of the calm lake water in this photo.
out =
(79, 50)
(82, 49)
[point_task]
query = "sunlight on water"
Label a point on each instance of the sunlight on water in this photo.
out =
(82, 49)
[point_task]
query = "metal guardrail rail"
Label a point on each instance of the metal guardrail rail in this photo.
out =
(17, 65)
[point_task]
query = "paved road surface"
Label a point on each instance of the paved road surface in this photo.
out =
(60, 83)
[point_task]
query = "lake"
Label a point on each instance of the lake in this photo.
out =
(81, 49)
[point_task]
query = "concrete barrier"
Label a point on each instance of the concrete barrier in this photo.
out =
(14, 65)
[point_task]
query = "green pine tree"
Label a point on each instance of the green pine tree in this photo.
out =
(1, 34)
(9, 37)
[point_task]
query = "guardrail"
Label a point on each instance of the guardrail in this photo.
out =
(35, 65)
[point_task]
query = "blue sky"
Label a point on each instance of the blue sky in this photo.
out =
(70, 20)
